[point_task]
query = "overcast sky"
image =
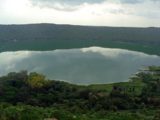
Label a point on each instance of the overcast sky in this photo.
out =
(141, 13)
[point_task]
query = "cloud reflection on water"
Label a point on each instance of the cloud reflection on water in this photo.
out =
(81, 66)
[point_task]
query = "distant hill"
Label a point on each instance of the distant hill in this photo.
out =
(53, 36)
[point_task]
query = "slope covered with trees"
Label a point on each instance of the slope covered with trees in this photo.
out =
(52, 36)
(31, 96)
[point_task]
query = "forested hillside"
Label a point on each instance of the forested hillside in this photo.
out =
(30, 96)
(52, 36)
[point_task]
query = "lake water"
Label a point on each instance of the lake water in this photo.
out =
(80, 66)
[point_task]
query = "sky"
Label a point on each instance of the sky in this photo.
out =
(128, 13)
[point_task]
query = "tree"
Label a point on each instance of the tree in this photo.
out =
(36, 80)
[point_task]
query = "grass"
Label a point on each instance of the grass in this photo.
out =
(137, 84)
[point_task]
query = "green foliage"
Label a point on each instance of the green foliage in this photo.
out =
(36, 80)
(26, 96)
(157, 116)
(25, 112)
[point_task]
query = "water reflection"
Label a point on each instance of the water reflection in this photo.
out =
(81, 66)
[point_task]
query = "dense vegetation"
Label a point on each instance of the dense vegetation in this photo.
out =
(52, 36)
(30, 96)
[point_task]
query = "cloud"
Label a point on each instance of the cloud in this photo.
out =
(72, 5)
(142, 8)
(131, 1)
(71, 2)
(155, 0)
(135, 1)
(63, 5)
(136, 13)
(80, 66)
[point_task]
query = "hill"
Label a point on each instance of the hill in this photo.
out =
(53, 36)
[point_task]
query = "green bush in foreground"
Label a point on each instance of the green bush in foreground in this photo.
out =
(25, 112)
(26, 96)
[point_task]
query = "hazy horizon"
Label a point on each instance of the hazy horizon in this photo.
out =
(82, 25)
